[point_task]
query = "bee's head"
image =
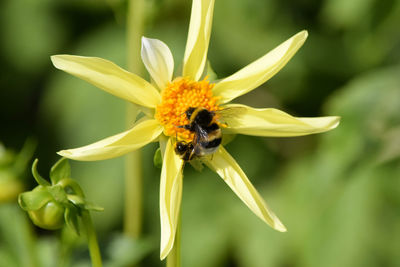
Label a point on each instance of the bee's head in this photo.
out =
(203, 117)
(189, 112)
(200, 116)
(181, 148)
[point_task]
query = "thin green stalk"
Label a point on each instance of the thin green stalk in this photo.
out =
(67, 246)
(92, 239)
(174, 257)
(133, 162)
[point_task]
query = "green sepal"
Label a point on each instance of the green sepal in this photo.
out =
(157, 159)
(76, 200)
(60, 170)
(92, 206)
(58, 193)
(34, 200)
(39, 179)
(71, 218)
(212, 76)
(82, 203)
(71, 185)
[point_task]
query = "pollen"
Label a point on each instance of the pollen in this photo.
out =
(177, 97)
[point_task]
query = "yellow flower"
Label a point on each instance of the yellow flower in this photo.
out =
(166, 101)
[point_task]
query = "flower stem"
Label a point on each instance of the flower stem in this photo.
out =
(92, 239)
(133, 161)
(133, 194)
(174, 257)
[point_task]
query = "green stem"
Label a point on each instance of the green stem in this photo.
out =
(66, 247)
(133, 195)
(92, 239)
(133, 161)
(174, 257)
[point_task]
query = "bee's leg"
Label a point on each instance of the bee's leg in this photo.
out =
(223, 125)
(192, 152)
(186, 127)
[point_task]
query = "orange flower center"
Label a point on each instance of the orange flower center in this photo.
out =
(177, 97)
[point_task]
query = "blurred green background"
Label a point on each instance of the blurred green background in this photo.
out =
(338, 193)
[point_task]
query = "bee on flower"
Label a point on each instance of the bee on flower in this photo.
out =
(184, 114)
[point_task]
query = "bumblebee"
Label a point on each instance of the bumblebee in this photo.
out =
(185, 150)
(207, 136)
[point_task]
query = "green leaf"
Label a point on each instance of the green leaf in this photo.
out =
(24, 156)
(60, 170)
(157, 159)
(34, 200)
(39, 179)
(6, 156)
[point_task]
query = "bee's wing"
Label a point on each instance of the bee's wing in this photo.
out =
(201, 135)
(230, 112)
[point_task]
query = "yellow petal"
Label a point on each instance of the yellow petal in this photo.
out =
(109, 77)
(141, 134)
(158, 60)
(258, 72)
(170, 198)
(198, 38)
(273, 122)
(226, 167)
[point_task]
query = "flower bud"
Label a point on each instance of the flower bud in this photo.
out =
(10, 186)
(52, 204)
(50, 216)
